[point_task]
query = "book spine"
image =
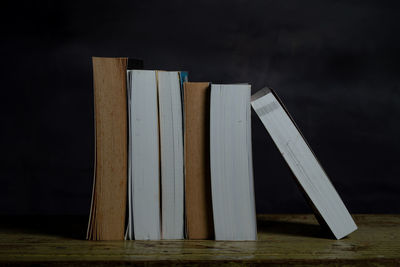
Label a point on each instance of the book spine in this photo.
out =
(107, 216)
(198, 206)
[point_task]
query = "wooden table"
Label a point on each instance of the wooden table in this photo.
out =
(283, 240)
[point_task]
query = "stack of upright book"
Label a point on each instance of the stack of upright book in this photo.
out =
(173, 158)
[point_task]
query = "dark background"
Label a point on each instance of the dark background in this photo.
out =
(335, 64)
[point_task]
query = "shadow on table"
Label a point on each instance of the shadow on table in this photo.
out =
(61, 226)
(270, 226)
(75, 226)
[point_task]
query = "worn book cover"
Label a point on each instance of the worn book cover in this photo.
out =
(108, 207)
(198, 206)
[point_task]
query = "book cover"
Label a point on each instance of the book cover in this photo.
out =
(198, 206)
(108, 206)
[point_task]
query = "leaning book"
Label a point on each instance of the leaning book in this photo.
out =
(303, 163)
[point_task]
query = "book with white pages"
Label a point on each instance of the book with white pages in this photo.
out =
(329, 207)
(171, 149)
(232, 185)
(143, 157)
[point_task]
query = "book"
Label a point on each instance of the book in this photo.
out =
(143, 165)
(107, 211)
(232, 184)
(198, 205)
(183, 77)
(303, 163)
(171, 148)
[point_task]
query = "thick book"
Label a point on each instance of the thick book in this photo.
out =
(171, 149)
(144, 219)
(232, 184)
(303, 163)
(198, 205)
(107, 212)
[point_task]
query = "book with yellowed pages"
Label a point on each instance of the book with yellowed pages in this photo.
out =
(198, 206)
(108, 206)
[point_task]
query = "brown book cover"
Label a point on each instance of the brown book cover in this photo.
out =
(107, 213)
(198, 206)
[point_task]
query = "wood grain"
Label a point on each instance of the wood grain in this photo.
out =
(295, 240)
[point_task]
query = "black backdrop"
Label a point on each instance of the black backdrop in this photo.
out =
(335, 64)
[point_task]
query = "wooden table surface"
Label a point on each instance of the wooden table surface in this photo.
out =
(295, 240)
